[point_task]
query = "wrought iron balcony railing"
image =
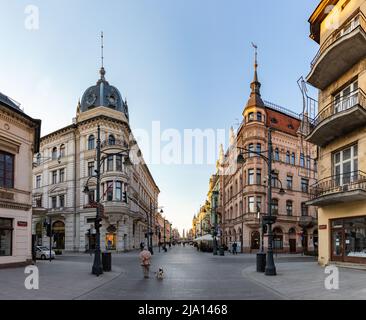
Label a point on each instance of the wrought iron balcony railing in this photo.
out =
(115, 142)
(357, 97)
(339, 183)
(359, 21)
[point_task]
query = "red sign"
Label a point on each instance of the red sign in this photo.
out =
(323, 227)
(22, 224)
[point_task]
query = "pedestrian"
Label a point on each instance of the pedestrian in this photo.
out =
(234, 248)
(145, 257)
(142, 245)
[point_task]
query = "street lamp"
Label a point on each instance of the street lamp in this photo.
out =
(269, 219)
(97, 265)
(215, 195)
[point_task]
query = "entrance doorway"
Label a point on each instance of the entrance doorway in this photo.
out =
(292, 240)
(255, 240)
(58, 229)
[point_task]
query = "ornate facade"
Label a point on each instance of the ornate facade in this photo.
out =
(65, 166)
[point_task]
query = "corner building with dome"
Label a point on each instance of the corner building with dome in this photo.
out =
(64, 165)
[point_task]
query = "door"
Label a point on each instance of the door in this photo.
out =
(337, 245)
(292, 243)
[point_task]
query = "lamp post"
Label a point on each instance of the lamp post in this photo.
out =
(214, 212)
(269, 219)
(97, 264)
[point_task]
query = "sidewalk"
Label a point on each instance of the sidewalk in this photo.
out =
(306, 281)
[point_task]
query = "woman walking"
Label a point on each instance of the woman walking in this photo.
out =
(145, 257)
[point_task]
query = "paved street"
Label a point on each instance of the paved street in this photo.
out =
(189, 275)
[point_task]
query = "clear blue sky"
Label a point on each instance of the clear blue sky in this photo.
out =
(186, 63)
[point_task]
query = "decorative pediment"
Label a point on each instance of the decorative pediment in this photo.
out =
(9, 145)
(57, 190)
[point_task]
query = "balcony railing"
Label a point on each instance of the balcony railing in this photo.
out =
(359, 21)
(357, 97)
(112, 143)
(351, 181)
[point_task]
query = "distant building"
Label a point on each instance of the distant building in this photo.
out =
(19, 139)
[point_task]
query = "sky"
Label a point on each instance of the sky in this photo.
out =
(185, 63)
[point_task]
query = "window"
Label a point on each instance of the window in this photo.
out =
(251, 205)
(54, 177)
(251, 150)
(6, 170)
(289, 181)
(277, 155)
(259, 204)
(308, 162)
(304, 185)
(118, 191)
(259, 149)
(259, 116)
(38, 202)
(62, 151)
(62, 175)
(110, 191)
(345, 165)
(53, 202)
(315, 165)
(274, 206)
(304, 210)
(289, 208)
(6, 237)
(274, 180)
(91, 196)
(90, 168)
(111, 140)
(251, 117)
(38, 182)
(54, 153)
(119, 163)
(259, 177)
(39, 157)
(110, 163)
(302, 160)
(62, 201)
(347, 98)
(288, 157)
(293, 159)
(251, 176)
(91, 142)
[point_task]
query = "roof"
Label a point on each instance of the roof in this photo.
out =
(318, 17)
(14, 106)
(282, 122)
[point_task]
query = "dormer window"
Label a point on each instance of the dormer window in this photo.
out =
(274, 120)
(251, 117)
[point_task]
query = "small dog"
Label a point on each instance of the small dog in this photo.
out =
(160, 274)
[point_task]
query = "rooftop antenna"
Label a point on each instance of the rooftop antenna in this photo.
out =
(102, 47)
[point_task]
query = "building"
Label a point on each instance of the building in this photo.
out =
(19, 139)
(243, 188)
(65, 166)
(339, 131)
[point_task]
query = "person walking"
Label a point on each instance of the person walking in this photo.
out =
(142, 245)
(235, 246)
(145, 257)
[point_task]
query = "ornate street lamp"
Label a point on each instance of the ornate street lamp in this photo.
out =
(97, 265)
(269, 219)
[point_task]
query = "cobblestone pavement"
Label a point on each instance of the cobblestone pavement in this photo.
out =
(188, 275)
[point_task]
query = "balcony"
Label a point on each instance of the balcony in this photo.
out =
(307, 222)
(340, 51)
(338, 189)
(113, 144)
(338, 118)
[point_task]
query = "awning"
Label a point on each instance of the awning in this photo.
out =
(207, 237)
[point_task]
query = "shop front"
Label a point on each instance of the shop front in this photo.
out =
(348, 240)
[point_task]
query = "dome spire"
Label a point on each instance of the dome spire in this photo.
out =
(102, 70)
(255, 96)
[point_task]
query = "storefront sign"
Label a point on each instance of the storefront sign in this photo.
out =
(323, 227)
(22, 224)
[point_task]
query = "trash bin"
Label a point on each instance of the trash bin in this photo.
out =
(221, 251)
(107, 261)
(261, 262)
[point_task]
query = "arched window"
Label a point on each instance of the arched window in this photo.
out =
(293, 159)
(91, 142)
(275, 206)
(277, 239)
(54, 153)
(251, 117)
(259, 116)
(62, 151)
(111, 140)
(288, 157)
(39, 156)
(277, 155)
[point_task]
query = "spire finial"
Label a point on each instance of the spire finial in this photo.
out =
(102, 70)
(255, 62)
